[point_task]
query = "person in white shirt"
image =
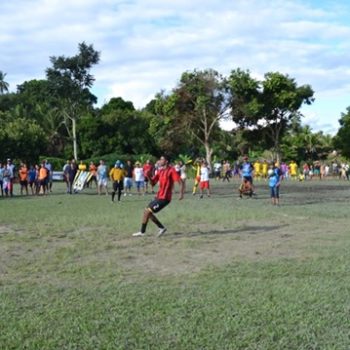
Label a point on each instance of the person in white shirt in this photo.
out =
(204, 181)
(217, 170)
(139, 178)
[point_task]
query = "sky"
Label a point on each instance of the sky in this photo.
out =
(146, 45)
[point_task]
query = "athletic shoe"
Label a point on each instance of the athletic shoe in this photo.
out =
(138, 234)
(161, 231)
(124, 194)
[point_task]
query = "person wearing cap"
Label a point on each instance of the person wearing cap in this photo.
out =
(139, 178)
(166, 176)
(117, 175)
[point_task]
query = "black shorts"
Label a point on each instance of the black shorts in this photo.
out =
(118, 185)
(23, 183)
(157, 205)
(248, 178)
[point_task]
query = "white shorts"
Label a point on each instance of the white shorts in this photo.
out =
(102, 182)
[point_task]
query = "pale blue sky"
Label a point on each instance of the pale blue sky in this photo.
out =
(145, 45)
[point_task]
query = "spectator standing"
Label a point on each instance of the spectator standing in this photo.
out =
(23, 178)
(11, 170)
(148, 170)
(139, 178)
(102, 177)
(129, 171)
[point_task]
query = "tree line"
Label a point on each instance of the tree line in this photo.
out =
(57, 117)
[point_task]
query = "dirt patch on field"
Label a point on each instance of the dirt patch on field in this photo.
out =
(5, 229)
(289, 235)
(212, 232)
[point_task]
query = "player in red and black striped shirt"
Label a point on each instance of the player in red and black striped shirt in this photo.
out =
(166, 176)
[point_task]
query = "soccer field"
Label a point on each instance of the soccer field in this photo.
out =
(228, 274)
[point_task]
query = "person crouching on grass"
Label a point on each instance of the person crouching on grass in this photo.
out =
(275, 178)
(166, 176)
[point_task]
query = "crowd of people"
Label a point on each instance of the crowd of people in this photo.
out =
(37, 179)
(134, 178)
(306, 171)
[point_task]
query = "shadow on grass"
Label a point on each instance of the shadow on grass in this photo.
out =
(252, 230)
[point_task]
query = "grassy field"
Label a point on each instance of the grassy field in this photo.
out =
(228, 274)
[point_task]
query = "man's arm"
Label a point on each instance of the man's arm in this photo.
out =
(153, 180)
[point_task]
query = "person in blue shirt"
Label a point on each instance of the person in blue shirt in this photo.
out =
(32, 176)
(275, 177)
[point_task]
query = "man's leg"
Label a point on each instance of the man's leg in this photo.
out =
(120, 189)
(114, 190)
(149, 215)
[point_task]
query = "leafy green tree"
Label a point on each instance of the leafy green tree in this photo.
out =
(167, 136)
(70, 81)
(198, 103)
(342, 138)
(4, 86)
(302, 144)
(35, 102)
(282, 100)
(22, 139)
(117, 128)
(8, 102)
(272, 105)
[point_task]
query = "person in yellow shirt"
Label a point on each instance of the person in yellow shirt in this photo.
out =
(117, 175)
(197, 168)
(264, 169)
(82, 166)
(257, 169)
(293, 169)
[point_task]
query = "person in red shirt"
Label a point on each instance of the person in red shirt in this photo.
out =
(148, 171)
(166, 176)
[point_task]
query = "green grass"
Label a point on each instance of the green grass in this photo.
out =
(228, 274)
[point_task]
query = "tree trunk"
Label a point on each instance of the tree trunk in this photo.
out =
(74, 134)
(208, 153)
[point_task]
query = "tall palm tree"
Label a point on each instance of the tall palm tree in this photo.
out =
(4, 86)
